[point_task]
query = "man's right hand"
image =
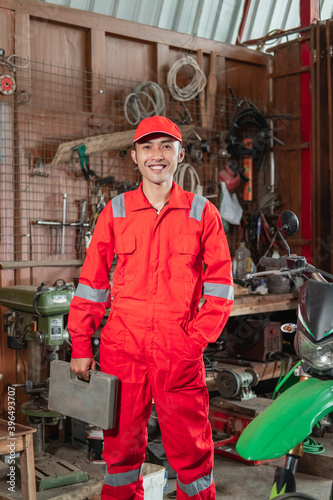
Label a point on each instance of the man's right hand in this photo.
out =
(81, 366)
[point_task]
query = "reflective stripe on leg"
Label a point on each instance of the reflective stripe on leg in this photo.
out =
(196, 486)
(122, 478)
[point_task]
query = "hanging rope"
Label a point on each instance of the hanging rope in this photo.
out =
(196, 85)
(146, 99)
(9, 61)
(179, 177)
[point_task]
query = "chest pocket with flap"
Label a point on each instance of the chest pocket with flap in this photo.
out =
(186, 261)
(126, 250)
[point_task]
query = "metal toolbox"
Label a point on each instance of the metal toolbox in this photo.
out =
(93, 402)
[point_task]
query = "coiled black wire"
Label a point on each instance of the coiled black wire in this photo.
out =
(243, 123)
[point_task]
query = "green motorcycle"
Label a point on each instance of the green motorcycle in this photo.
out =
(281, 429)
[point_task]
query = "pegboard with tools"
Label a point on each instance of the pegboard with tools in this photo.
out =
(65, 141)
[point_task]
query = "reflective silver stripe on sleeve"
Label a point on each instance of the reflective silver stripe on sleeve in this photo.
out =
(118, 205)
(122, 478)
(197, 486)
(218, 290)
(93, 294)
(198, 204)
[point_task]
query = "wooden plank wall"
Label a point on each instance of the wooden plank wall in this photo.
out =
(102, 45)
(286, 84)
(98, 45)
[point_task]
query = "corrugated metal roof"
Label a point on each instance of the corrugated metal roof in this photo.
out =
(217, 20)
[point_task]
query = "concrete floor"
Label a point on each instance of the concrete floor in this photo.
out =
(234, 480)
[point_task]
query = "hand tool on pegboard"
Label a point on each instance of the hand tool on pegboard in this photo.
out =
(84, 161)
(204, 143)
(82, 220)
(103, 181)
(99, 207)
(186, 118)
(63, 224)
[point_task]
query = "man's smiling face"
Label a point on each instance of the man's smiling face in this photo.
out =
(157, 157)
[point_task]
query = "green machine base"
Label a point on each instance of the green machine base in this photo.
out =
(52, 472)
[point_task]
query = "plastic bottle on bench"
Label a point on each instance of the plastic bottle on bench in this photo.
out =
(243, 261)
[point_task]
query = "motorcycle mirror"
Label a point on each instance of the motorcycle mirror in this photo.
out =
(288, 223)
(288, 328)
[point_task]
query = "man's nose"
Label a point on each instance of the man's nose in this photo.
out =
(156, 153)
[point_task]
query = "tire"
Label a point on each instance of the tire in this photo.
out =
(295, 496)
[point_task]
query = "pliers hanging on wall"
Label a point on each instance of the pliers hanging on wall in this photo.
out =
(84, 161)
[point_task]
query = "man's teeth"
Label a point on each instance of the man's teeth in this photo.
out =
(156, 168)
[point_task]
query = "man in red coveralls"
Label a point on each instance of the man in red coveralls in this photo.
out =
(156, 334)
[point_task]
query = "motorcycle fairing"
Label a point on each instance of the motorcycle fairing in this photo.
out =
(314, 296)
(287, 421)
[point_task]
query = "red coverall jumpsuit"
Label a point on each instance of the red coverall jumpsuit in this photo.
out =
(155, 336)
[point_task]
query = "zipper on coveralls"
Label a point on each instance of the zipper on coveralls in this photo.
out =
(160, 210)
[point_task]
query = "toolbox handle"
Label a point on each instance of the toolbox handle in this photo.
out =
(74, 379)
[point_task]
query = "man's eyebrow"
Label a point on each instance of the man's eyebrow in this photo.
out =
(163, 141)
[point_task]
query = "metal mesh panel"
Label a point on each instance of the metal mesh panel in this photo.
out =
(41, 202)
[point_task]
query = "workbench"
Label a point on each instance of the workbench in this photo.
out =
(247, 303)
(255, 304)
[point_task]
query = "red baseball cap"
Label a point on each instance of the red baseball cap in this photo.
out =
(157, 125)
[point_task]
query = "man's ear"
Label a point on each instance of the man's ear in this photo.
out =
(133, 155)
(181, 155)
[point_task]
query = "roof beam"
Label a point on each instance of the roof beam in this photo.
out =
(243, 21)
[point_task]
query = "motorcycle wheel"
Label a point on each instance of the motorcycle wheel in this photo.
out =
(295, 496)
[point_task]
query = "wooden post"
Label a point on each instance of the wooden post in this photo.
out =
(211, 90)
(202, 98)
(27, 463)
(22, 47)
